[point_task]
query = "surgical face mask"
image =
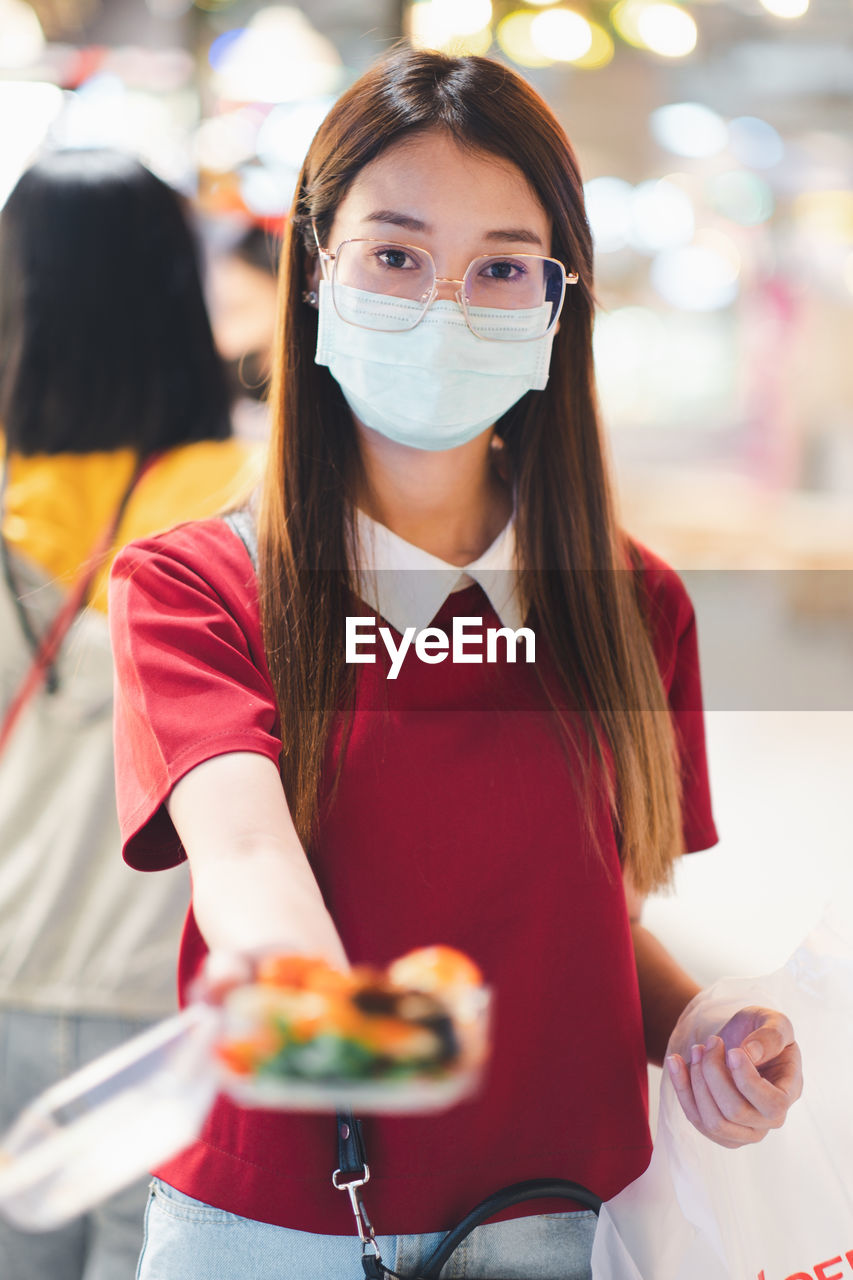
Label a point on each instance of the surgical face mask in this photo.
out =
(435, 386)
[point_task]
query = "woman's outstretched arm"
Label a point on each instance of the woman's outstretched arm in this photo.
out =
(253, 889)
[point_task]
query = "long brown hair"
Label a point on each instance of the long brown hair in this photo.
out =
(577, 576)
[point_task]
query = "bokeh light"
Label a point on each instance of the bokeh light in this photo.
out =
(216, 54)
(561, 34)
(667, 29)
(741, 196)
(689, 129)
(476, 44)
(656, 368)
(629, 16)
(224, 142)
(462, 25)
(662, 216)
(515, 37)
(286, 132)
(465, 17)
(104, 112)
(629, 346)
(266, 192)
(702, 276)
(786, 8)
(608, 208)
(22, 40)
(277, 57)
(625, 18)
(826, 215)
(34, 107)
(754, 142)
(600, 52)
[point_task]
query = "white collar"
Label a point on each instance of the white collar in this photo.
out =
(407, 585)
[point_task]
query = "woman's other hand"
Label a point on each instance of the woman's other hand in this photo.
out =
(741, 1082)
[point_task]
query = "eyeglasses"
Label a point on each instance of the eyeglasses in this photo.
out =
(495, 285)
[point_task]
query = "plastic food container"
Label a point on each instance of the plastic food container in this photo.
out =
(382, 1050)
(94, 1133)
(333, 1072)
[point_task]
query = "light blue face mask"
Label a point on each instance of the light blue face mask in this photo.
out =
(435, 386)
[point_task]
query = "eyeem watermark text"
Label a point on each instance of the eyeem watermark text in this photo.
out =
(468, 641)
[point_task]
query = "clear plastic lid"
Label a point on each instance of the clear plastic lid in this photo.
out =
(94, 1133)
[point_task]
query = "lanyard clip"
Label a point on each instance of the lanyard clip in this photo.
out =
(351, 1158)
(371, 1259)
(353, 1186)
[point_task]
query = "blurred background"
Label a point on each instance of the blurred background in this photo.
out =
(714, 138)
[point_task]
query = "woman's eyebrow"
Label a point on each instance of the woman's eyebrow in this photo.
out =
(520, 235)
(397, 219)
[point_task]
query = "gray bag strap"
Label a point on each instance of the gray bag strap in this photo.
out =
(242, 522)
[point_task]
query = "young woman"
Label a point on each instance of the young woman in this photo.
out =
(107, 363)
(435, 459)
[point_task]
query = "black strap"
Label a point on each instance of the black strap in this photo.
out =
(518, 1193)
(351, 1175)
(353, 1172)
(351, 1160)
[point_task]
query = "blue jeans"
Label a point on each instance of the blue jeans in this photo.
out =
(37, 1050)
(188, 1240)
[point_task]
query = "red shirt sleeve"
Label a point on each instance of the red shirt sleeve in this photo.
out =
(673, 626)
(191, 675)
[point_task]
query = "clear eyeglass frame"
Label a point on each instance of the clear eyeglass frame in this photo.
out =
(328, 257)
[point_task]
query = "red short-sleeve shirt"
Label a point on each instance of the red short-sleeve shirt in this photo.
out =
(456, 821)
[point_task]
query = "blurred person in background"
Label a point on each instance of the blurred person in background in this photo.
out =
(422, 420)
(115, 423)
(243, 292)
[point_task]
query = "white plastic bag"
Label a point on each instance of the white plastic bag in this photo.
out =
(781, 1209)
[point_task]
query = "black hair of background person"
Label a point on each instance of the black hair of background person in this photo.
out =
(105, 340)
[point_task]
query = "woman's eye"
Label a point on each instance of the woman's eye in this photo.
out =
(395, 258)
(502, 270)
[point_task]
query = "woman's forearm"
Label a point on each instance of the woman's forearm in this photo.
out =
(259, 899)
(665, 990)
(253, 887)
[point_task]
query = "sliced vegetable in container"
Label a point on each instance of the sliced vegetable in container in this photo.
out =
(303, 1023)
